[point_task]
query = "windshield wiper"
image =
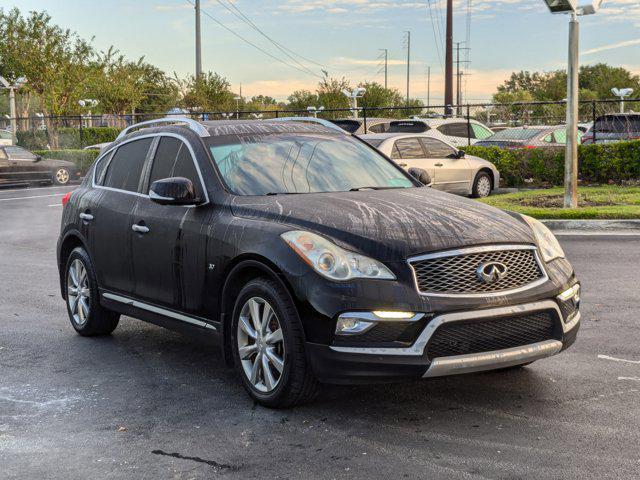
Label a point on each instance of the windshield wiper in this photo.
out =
(357, 189)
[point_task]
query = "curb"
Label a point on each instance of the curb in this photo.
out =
(594, 225)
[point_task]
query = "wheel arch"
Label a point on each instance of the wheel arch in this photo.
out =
(241, 270)
(70, 241)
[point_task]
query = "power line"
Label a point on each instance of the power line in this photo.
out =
(436, 35)
(239, 14)
(253, 44)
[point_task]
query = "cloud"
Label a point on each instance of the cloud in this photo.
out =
(603, 48)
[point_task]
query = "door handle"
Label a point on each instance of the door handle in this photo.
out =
(439, 165)
(402, 164)
(139, 228)
(87, 217)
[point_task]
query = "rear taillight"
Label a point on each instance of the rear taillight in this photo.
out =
(66, 198)
(528, 147)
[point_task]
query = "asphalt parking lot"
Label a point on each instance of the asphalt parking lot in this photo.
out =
(149, 403)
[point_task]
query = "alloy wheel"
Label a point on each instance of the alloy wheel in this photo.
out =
(260, 344)
(62, 176)
(78, 292)
(484, 187)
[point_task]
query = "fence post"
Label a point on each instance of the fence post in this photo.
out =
(81, 134)
(468, 125)
(364, 117)
(277, 113)
(594, 115)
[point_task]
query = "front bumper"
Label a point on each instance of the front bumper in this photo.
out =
(353, 364)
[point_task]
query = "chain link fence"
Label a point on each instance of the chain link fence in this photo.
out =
(515, 125)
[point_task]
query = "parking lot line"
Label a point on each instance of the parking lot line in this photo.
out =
(26, 189)
(33, 196)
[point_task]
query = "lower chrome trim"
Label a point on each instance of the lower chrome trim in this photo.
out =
(477, 362)
(158, 310)
(417, 349)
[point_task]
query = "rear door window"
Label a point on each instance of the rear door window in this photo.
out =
(125, 168)
(409, 148)
(456, 130)
(173, 159)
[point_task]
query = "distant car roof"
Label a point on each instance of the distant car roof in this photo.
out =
(244, 127)
(385, 136)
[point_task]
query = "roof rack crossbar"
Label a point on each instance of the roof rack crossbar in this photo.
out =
(320, 121)
(192, 124)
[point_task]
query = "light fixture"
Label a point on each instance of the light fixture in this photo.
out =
(561, 6)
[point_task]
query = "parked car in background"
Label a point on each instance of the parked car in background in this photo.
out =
(529, 137)
(614, 128)
(309, 257)
(456, 131)
(19, 166)
(450, 169)
(6, 137)
(357, 125)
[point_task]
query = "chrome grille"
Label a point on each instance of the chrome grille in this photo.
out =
(455, 273)
(462, 338)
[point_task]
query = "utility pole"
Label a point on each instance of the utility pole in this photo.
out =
(408, 62)
(571, 152)
(458, 78)
(386, 67)
(448, 70)
(428, 88)
(198, 44)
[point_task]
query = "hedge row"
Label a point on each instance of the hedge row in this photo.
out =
(82, 158)
(613, 162)
(68, 137)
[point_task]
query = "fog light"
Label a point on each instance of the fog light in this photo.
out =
(570, 293)
(352, 326)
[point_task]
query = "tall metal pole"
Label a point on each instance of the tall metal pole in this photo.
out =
(198, 44)
(458, 77)
(12, 111)
(428, 88)
(386, 67)
(571, 152)
(408, 62)
(448, 70)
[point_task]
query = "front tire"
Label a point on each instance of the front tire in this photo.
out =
(268, 346)
(482, 185)
(61, 176)
(87, 316)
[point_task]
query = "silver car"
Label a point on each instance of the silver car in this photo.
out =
(450, 169)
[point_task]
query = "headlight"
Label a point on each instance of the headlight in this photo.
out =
(547, 242)
(333, 262)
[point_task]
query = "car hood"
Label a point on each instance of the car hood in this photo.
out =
(53, 162)
(390, 225)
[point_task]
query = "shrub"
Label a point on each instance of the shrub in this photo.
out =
(613, 162)
(82, 158)
(68, 137)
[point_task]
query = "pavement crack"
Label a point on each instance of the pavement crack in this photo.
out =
(212, 463)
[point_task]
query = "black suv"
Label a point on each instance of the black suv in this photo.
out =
(309, 256)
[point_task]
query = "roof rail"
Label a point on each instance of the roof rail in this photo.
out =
(320, 121)
(189, 122)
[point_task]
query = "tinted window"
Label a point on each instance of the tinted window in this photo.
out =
(125, 167)
(618, 124)
(350, 126)
(436, 148)
(456, 130)
(299, 163)
(409, 148)
(379, 128)
(19, 153)
(101, 168)
(407, 126)
(173, 159)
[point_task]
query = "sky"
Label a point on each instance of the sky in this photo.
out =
(344, 37)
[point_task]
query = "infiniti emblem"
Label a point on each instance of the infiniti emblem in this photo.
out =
(491, 272)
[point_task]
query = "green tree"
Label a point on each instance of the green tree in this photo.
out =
(301, 99)
(376, 96)
(210, 93)
(330, 96)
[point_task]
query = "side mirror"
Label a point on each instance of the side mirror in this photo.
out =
(421, 175)
(173, 191)
(38, 158)
(459, 154)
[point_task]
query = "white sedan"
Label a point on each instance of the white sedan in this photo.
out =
(450, 169)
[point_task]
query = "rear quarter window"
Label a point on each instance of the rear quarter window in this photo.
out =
(125, 168)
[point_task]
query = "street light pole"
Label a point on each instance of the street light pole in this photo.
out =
(12, 111)
(198, 43)
(571, 148)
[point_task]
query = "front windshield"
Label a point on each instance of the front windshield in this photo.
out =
(302, 163)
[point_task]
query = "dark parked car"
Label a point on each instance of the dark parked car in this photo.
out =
(309, 257)
(614, 128)
(360, 126)
(529, 137)
(19, 166)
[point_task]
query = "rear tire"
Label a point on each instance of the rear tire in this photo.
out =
(87, 316)
(273, 365)
(61, 176)
(482, 185)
